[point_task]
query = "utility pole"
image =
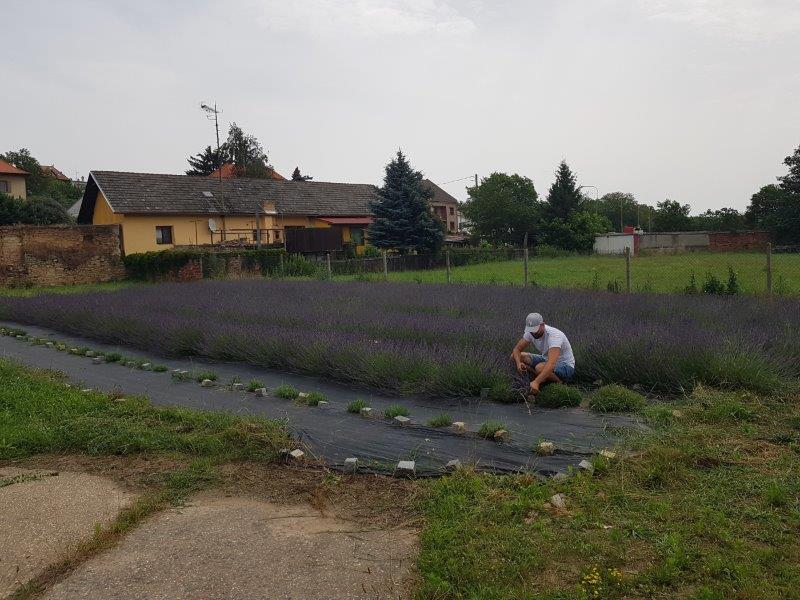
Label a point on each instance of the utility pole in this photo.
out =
(476, 180)
(212, 114)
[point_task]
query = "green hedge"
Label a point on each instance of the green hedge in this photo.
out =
(150, 266)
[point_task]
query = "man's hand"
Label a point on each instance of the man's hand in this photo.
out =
(521, 367)
(534, 387)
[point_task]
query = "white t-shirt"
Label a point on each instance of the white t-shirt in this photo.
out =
(553, 338)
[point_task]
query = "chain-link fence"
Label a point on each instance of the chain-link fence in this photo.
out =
(774, 271)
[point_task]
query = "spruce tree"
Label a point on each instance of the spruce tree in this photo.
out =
(204, 163)
(564, 198)
(298, 176)
(402, 219)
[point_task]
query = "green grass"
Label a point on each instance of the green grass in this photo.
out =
(286, 391)
(489, 428)
(254, 385)
(558, 395)
(441, 420)
(68, 289)
(657, 273)
(356, 405)
(197, 375)
(39, 413)
(396, 410)
(314, 398)
(707, 506)
(616, 398)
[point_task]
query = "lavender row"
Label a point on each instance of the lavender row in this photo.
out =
(437, 340)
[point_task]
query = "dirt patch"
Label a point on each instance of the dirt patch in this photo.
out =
(223, 547)
(44, 513)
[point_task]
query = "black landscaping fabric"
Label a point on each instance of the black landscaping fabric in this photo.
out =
(328, 431)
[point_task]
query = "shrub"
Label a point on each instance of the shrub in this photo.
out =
(441, 420)
(254, 385)
(201, 375)
(396, 410)
(616, 398)
(286, 391)
(489, 428)
(713, 285)
(158, 368)
(356, 405)
(314, 398)
(113, 357)
(558, 395)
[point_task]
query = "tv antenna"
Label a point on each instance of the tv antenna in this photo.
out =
(212, 114)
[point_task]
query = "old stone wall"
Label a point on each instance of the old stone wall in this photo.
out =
(723, 241)
(60, 254)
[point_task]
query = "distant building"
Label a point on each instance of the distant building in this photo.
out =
(51, 171)
(231, 171)
(13, 180)
(680, 241)
(443, 206)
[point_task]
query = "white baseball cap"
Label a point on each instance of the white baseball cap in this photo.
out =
(532, 322)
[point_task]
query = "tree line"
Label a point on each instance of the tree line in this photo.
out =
(47, 200)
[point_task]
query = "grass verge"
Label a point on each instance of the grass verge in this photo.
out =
(706, 507)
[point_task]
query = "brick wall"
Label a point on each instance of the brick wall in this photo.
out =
(59, 254)
(723, 241)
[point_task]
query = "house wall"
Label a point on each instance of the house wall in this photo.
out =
(139, 231)
(16, 185)
(59, 255)
(674, 242)
(450, 221)
(614, 244)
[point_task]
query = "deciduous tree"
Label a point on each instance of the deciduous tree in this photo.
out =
(502, 209)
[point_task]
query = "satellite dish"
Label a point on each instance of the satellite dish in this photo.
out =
(212, 225)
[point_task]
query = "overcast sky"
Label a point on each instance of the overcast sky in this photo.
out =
(695, 100)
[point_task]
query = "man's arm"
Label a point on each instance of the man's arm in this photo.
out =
(516, 354)
(549, 366)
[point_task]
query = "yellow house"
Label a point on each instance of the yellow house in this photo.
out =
(12, 180)
(157, 212)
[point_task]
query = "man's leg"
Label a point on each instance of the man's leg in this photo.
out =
(551, 378)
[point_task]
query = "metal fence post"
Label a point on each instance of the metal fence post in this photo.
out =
(385, 267)
(282, 272)
(525, 257)
(769, 269)
(628, 283)
(447, 262)
(328, 260)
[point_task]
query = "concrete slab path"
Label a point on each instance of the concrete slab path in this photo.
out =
(225, 548)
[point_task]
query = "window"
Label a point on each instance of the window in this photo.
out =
(357, 235)
(452, 211)
(452, 226)
(163, 234)
(4, 187)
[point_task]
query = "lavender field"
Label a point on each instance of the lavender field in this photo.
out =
(438, 340)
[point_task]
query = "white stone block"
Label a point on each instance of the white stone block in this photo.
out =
(238, 386)
(262, 392)
(459, 427)
(296, 454)
(351, 464)
(546, 448)
(609, 454)
(585, 465)
(366, 411)
(559, 501)
(401, 420)
(453, 465)
(207, 383)
(405, 468)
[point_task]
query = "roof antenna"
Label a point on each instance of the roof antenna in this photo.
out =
(212, 114)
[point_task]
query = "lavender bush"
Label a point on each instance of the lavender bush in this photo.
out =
(437, 340)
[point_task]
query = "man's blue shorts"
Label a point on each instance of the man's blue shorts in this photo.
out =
(564, 372)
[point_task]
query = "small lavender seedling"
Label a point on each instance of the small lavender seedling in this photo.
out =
(201, 375)
(286, 391)
(356, 405)
(489, 428)
(254, 385)
(313, 399)
(441, 420)
(396, 410)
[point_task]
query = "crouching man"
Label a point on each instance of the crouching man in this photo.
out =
(554, 361)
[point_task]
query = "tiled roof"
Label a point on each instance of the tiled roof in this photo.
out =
(51, 171)
(230, 171)
(131, 193)
(9, 169)
(439, 195)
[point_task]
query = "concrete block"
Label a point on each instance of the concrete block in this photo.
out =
(609, 454)
(90, 353)
(296, 454)
(20, 337)
(130, 364)
(405, 468)
(207, 383)
(366, 411)
(261, 392)
(321, 402)
(302, 395)
(459, 427)
(97, 360)
(559, 501)
(453, 465)
(401, 420)
(87, 390)
(74, 351)
(351, 464)
(50, 344)
(560, 476)
(237, 387)
(61, 347)
(585, 465)
(146, 367)
(546, 448)
(175, 372)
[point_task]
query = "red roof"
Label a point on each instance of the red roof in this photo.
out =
(230, 171)
(9, 169)
(347, 220)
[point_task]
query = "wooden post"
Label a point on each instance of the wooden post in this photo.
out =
(328, 260)
(769, 269)
(525, 258)
(258, 230)
(281, 265)
(447, 264)
(628, 282)
(385, 267)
